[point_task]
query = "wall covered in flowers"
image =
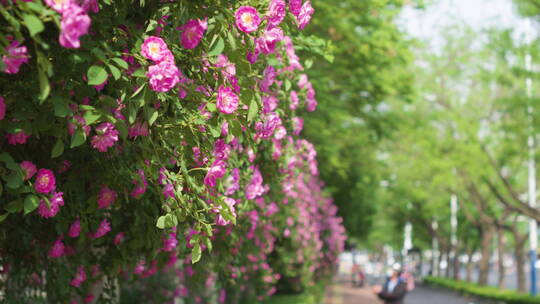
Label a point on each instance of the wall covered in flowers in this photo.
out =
(158, 139)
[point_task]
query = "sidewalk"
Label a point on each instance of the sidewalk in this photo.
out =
(341, 292)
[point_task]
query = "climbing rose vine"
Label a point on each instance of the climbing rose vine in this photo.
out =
(158, 140)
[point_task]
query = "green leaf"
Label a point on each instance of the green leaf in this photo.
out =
(208, 244)
(61, 109)
(232, 41)
(114, 71)
(90, 117)
(78, 138)
(151, 115)
(287, 84)
(217, 48)
(99, 54)
(139, 90)
(34, 25)
(122, 129)
(216, 132)
(96, 75)
(161, 222)
(44, 86)
(253, 110)
(121, 63)
(140, 73)
(5, 157)
(152, 24)
(196, 253)
(15, 179)
(211, 107)
(3, 217)
(166, 221)
(31, 202)
(236, 128)
(58, 149)
(14, 206)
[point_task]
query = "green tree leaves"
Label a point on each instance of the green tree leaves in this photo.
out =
(96, 75)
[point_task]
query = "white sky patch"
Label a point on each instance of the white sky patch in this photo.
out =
(479, 14)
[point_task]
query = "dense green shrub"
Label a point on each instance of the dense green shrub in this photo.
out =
(167, 138)
(486, 292)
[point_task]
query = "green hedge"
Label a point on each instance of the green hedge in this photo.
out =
(486, 292)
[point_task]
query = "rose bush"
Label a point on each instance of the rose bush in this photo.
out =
(158, 137)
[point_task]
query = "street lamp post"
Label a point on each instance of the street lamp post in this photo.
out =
(435, 251)
(453, 237)
(531, 166)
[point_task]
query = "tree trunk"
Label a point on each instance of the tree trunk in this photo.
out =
(470, 265)
(433, 263)
(519, 249)
(448, 263)
(487, 236)
(457, 265)
(500, 254)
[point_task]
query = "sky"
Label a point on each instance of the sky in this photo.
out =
(478, 14)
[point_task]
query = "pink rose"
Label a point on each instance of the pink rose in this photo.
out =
(227, 100)
(247, 19)
(45, 181)
(192, 33)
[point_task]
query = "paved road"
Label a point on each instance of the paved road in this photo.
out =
(428, 295)
(341, 292)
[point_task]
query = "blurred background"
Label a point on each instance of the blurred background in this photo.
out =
(427, 136)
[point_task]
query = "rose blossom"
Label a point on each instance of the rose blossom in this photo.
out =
(75, 23)
(55, 202)
(269, 76)
(163, 76)
(105, 138)
(78, 122)
(227, 100)
(267, 43)
(90, 5)
(104, 228)
(304, 16)
(266, 128)
(106, 197)
(119, 238)
(233, 182)
(45, 181)
(217, 170)
(59, 5)
(18, 138)
(2, 108)
(276, 12)
(75, 229)
(298, 125)
(28, 168)
(154, 48)
(270, 103)
(138, 129)
(294, 101)
(192, 33)
(168, 191)
(247, 19)
(79, 278)
(15, 57)
(255, 187)
(280, 133)
(57, 250)
(170, 242)
(140, 184)
(295, 6)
